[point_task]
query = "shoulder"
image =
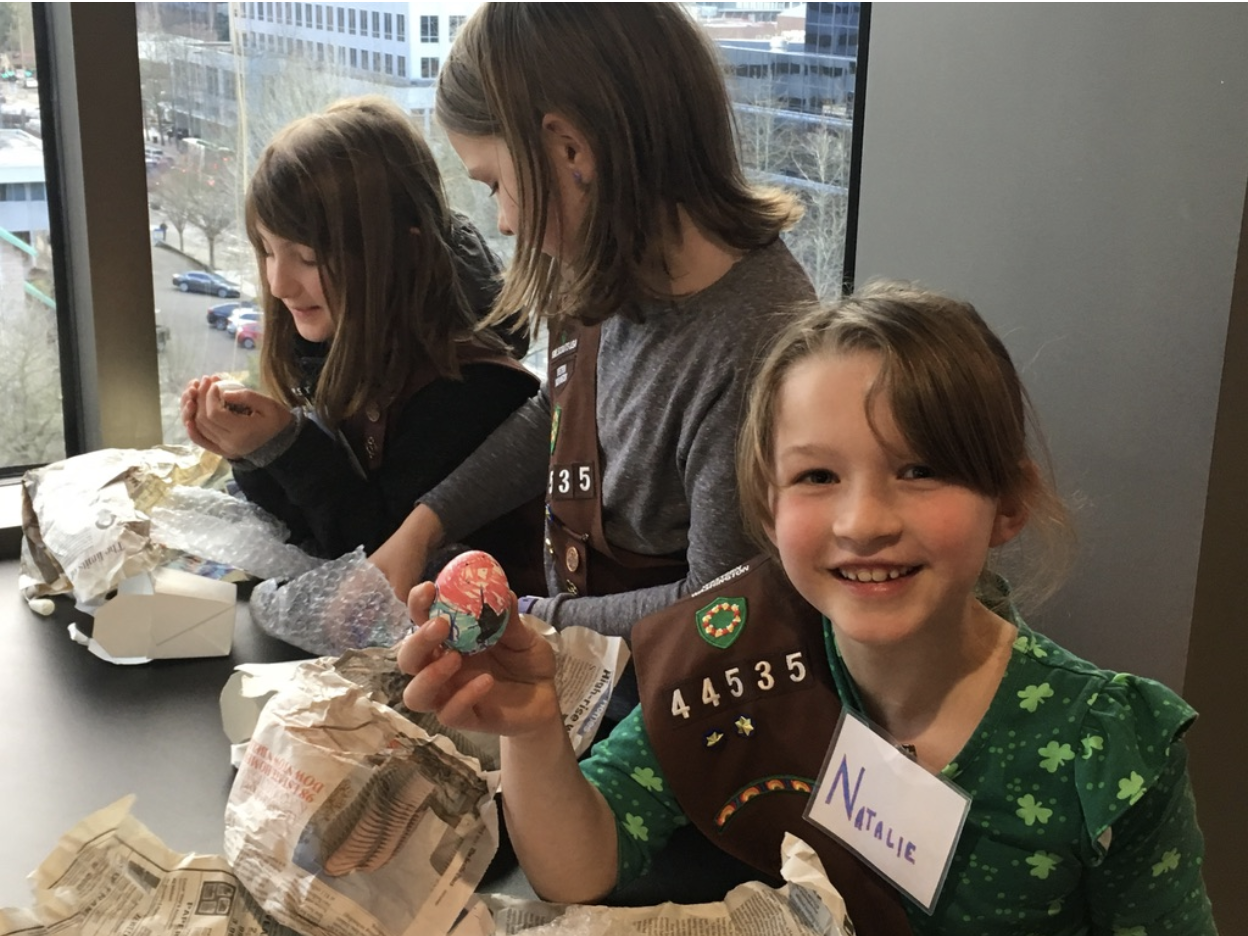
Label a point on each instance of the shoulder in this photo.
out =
(1119, 732)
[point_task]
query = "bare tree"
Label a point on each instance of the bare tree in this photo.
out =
(31, 424)
(177, 191)
(214, 206)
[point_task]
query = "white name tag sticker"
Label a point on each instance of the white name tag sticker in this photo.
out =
(881, 805)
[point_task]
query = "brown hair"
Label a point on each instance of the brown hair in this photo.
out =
(645, 87)
(354, 183)
(954, 394)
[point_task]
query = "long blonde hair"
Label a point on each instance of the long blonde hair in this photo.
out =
(645, 86)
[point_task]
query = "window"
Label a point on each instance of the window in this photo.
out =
(400, 27)
(428, 29)
(33, 420)
(453, 24)
(429, 68)
(351, 21)
(387, 20)
(298, 14)
(389, 64)
(377, 62)
(402, 66)
(354, 59)
(319, 22)
(376, 25)
(341, 17)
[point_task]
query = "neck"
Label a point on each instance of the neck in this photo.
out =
(933, 689)
(693, 259)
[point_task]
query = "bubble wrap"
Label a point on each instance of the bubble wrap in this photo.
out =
(345, 604)
(215, 526)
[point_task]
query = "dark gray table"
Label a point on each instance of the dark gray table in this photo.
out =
(77, 733)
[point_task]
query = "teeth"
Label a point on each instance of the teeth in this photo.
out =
(872, 575)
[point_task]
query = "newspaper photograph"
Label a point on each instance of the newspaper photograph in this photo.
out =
(346, 819)
(109, 874)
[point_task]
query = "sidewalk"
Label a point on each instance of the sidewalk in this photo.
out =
(235, 259)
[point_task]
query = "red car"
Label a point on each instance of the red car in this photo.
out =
(249, 334)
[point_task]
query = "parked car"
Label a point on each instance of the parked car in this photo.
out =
(249, 334)
(239, 316)
(219, 314)
(205, 282)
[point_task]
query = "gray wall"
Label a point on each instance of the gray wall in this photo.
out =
(1078, 171)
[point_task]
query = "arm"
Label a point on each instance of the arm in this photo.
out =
(557, 820)
(507, 470)
(437, 429)
(1151, 875)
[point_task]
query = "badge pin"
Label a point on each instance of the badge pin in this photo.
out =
(373, 413)
(572, 559)
(555, 418)
(744, 726)
(721, 622)
(713, 738)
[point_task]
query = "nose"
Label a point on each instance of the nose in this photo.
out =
(866, 516)
(281, 279)
(504, 227)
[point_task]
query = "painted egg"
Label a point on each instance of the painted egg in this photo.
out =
(472, 592)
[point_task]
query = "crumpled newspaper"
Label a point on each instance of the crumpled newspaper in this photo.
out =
(344, 604)
(94, 520)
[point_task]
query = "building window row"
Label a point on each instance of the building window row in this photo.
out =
(340, 19)
(23, 191)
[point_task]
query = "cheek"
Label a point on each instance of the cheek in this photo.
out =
(797, 531)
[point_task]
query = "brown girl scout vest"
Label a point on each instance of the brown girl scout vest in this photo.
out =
(585, 563)
(514, 539)
(740, 707)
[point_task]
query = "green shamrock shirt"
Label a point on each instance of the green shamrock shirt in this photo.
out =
(1082, 818)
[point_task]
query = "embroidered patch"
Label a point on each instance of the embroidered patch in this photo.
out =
(777, 783)
(555, 417)
(722, 621)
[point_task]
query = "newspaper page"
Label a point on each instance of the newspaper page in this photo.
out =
(346, 819)
(110, 875)
(587, 667)
(806, 904)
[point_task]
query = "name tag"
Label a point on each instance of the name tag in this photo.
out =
(897, 817)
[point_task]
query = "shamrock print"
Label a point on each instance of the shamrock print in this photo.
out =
(1043, 863)
(1091, 744)
(1030, 810)
(1032, 696)
(1053, 755)
(636, 827)
(645, 777)
(1169, 862)
(1131, 789)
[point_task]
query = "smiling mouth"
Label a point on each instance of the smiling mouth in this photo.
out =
(864, 574)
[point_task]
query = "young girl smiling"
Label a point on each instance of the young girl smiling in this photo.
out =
(884, 458)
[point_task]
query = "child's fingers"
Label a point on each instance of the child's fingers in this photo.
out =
(419, 601)
(458, 710)
(433, 683)
(423, 645)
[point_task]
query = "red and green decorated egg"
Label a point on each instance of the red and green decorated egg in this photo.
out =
(473, 594)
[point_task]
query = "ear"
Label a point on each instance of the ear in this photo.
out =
(1012, 512)
(568, 148)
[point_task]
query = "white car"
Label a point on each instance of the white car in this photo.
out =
(240, 315)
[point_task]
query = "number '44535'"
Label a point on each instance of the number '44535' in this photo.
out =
(739, 683)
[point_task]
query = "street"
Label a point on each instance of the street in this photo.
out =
(193, 349)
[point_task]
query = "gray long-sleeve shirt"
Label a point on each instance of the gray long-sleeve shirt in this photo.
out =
(671, 390)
